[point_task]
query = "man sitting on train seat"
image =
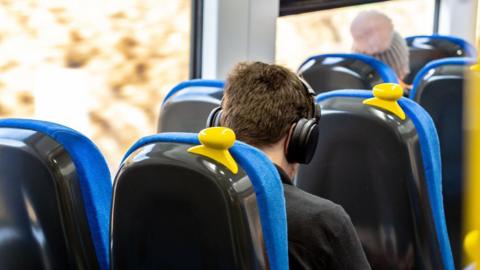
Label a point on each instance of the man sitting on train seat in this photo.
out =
(263, 103)
(373, 34)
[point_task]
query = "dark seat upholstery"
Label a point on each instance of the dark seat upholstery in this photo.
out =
(385, 172)
(177, 210)
(438, 88)
(424, 49)
(327, 72)
(55, 192)
(187, 106)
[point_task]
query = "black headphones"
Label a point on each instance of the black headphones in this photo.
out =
(304, 138)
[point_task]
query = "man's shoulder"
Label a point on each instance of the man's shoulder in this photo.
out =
(320, 227)
(305, 207)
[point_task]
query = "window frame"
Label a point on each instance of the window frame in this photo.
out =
(196, 39)
(304, 6)
(436, 16)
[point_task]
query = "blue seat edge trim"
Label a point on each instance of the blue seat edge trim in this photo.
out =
(469, 48)
(459, 61)
(193, 83)
(386, 72)
(94, 177)
(192, 96)
(273, 211)
(430, 149)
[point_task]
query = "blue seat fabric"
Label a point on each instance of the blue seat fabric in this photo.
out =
(266, 183)
(430, 152)
(93, 174)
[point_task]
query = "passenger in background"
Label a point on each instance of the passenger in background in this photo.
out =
(262, 103)
(373, 34)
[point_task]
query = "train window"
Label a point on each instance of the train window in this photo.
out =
(290, 7)
(101, 67)
(328, 31)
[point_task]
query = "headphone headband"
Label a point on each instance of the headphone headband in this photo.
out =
(315, 108)
(307, 86)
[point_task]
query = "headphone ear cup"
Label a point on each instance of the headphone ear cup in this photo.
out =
(303, 141)
(293, 152)
(311, 141)
(213, 119)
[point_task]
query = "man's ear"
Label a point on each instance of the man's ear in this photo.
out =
(289, 137)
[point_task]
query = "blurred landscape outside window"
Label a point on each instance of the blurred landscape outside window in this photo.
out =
(328, 31)
(99, 66)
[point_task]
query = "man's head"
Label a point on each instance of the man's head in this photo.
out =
(262, 103)
(373, 34)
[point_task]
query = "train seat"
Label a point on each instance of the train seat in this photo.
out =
(173, 209)
(187, 106)
(55, 196)
(385, 172)
(438, 88)
(424, 49)
(327, 72)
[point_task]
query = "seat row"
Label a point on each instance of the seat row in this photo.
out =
(438, 88)
(187, 106)
(326, 72)
(172, 208)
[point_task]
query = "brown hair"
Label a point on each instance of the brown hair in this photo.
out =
(262, 101)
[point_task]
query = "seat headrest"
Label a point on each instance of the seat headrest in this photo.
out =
(470, 50)
(194, 83)
(386, 73)
(188, 111)
(451, 61)
(194, 97)
(93, 174)
(430, 152)
(266, 184)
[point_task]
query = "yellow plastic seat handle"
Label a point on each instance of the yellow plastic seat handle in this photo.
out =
(386, 96)
(215, 144)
